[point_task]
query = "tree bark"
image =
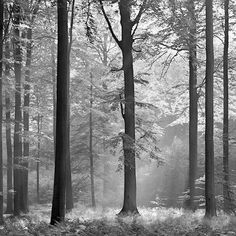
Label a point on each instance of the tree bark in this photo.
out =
(39, 121)
(18, 186)
(193, 104)
(91, 147)
(69, 191)
(9, 209)
(226, 184)
(209, 130)
(54, 92)
(26, 116)
(58, 203)
(129, 204)
(1, 74)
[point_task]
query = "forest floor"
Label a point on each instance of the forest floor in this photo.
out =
(88, 222)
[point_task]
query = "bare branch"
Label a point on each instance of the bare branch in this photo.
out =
(137, 18)
(71, 26)
(109, 25)
(114, 69)
(121, 107)
(137, 50)
(172, 47)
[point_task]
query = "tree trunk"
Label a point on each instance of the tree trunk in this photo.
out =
(129, 204)
(106, 172)
(226, 188)
(54, 92)
(18, 186)
(69, 191)
(193, 104)
(58, 203)
(9, 209)
(209, 132)
(1, 74)
(39, 121)
(91, 146)
(26, 116)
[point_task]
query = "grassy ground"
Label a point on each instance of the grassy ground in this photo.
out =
(88, 222)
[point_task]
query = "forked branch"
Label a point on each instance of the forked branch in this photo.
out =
(138, 17)
(109, 25)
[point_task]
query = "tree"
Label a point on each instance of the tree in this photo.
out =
(193, 102)
(26, 114)
(58, 203)
(128, 29)
(30, 20)
(9, 209)
(18, 188)
(226, 190)
(91, 144)
(209, 129)
(1, 74)
(69, 192)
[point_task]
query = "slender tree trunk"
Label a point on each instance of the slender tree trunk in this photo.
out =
(91, 146)
(69, 191)
(209, 132)
(18, 187)
(129, 204)
(26, 116)
(39, 121)
(54, 92)
(226, 189)
(9, 209)
(193, 104)
(106, 166)
(1, 74)
(106, 171)
(58, 203)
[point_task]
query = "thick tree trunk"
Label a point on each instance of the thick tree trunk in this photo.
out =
(58, 203)
(18, 184)
(1, 74)
(129, 204)
(9, 209)
(91, 147)
(209, 132)
(226, 188)
(193, 104)
(69, 191)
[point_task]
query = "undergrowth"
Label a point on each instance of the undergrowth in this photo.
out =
(88, 222)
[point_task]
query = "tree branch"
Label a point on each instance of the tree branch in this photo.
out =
(121, 107)
(109, 25)
(114, 69)
(137, 18)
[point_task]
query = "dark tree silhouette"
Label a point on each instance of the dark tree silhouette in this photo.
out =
(193, 103)
(58, 203)
(69, 190)
(128, 28)
(1, 74)
(209, 130)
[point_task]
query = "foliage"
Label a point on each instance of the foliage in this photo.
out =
(155, 221)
